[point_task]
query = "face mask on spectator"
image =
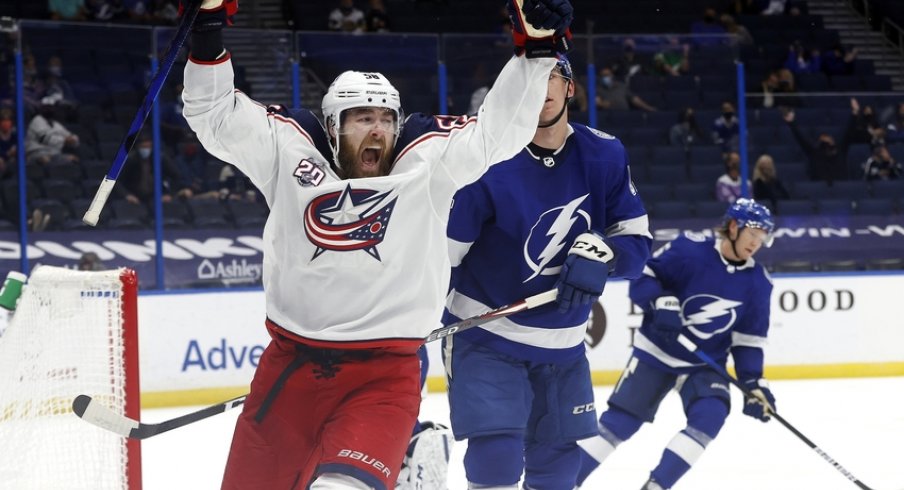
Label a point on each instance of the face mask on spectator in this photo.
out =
(607, 81)
(144, 152)
(55, 71)
(728, 115)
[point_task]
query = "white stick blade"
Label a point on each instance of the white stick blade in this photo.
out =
(97, 414)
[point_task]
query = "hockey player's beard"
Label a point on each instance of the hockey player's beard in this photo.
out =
(350, 159)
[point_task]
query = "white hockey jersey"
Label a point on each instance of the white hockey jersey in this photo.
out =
(359, 263)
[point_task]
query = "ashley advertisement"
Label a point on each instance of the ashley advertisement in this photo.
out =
(227, 258)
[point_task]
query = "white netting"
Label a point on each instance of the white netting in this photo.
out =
(65, 339)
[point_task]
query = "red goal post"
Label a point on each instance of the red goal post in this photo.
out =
(73, 332)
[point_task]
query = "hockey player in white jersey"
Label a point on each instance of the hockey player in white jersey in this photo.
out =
(562, 213)
(356, 264)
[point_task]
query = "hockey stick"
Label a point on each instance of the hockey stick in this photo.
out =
(106, 186)
(691, 346)
(95, 413)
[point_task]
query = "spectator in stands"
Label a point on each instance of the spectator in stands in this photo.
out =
(236, 186)
(47, 140)
(881, 165)
(614, 95)
(377, 20)
(725, 129)
(802, 60)
(838, 61)
(33, 89)
(778, 89)
(166, 11)
(346, 18)
(748, 7)
(673, 59)
(894, 127)
(686, 132)
(138, 11)
(89, 261)
(173, 126)
(741, 34)
(866, 127)
(66, 9)
(728, 186)
(136, 182)
(826, 160)
(191, 163)
(776, 7)
(8, 142)
(766, 184)
(104, 10)
(57, 90)
(707, 32)
(628, 63)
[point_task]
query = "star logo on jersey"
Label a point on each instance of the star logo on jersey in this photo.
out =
(347, 220)
(706, 315)
(549, 236)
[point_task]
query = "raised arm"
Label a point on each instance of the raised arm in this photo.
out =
(230, 125)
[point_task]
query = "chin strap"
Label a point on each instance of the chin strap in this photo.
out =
(561, 112)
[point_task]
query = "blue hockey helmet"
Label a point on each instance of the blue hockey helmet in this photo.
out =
(564, 67)
(751, 214)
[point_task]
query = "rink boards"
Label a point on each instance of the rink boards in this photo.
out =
(202, 347)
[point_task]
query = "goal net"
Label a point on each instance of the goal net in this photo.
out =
(73, 332)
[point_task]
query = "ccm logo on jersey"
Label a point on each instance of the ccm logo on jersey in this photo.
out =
(366, 459)
(582, 409)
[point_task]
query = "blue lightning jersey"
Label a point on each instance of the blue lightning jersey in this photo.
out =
(510, 231)
(724, 306)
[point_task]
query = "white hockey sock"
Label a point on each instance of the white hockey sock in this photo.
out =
(601, 446)
(338, 481)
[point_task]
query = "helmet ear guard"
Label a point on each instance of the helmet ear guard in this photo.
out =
(353, 89)
(748, 213)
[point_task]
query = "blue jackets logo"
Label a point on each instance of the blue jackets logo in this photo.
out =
(348, 220)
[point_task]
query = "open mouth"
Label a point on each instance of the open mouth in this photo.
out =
(370, 157)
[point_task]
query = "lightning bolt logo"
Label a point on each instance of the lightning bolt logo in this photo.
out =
(713, 316)
(563, 220)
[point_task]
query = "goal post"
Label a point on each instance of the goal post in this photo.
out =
(72, 333)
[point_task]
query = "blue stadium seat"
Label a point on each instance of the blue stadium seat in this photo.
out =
(655, 192)
(795, 207)
(834, 207)
(706, 155)
(850, 189)
(811, 190)
(667, 155)
(63, 190)
(666, 174)
(876, 207)
(846, 83)
(696, 191)
(711, 209)
(672, 210)
(706, 174)
(891, 189)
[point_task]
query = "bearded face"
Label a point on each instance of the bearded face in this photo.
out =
(366, 142)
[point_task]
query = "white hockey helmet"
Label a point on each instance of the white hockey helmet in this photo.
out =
(354, 89)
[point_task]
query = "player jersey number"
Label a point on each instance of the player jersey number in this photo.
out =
(308, 173)
(448, 123)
